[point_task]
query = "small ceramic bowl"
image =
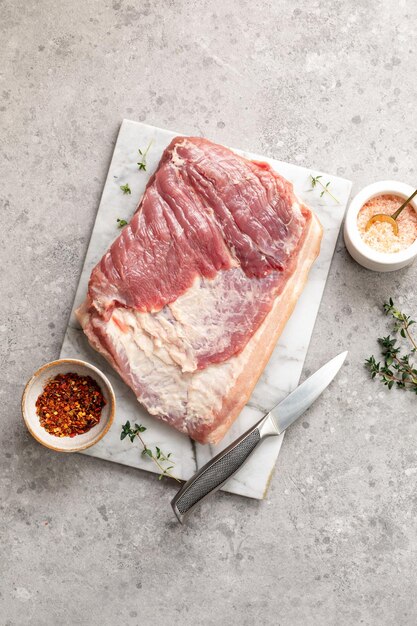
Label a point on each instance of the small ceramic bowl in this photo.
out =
(35, 387)
(358, 249)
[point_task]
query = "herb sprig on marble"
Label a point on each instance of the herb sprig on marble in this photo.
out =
(160, 458)
(315, 181)
(126, 189)
(142, 163)
(397, 368)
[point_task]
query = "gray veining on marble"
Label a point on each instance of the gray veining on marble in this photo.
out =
(88, 542)
(284, 369)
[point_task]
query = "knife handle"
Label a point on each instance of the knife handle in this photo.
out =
(219, 469)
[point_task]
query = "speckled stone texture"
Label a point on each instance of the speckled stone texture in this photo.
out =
(326, 84)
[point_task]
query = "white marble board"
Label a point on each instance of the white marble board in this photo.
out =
(284, 368)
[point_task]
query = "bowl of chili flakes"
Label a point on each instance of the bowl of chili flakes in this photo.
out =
(68, 405)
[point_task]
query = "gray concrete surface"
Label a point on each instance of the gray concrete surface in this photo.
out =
(326, 84)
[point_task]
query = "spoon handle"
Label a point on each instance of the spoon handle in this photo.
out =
(398, 211)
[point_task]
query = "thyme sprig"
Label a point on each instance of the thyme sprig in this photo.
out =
(402, 322)
(158, 456)
(396, 368)
(142, 163)
(315, 180)
(126, 189)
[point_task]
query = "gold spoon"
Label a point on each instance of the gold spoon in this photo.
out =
(391, 219)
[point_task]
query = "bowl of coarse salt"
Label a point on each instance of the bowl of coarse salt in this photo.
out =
(375, 236)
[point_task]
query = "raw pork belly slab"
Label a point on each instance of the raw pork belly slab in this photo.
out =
(189, 301)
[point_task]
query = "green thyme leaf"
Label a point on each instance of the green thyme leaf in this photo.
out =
(126, 189)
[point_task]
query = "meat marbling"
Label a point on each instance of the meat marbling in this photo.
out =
(218, 248)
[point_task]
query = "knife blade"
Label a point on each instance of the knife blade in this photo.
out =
(219, 469)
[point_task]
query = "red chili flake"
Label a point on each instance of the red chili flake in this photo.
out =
(70, 405)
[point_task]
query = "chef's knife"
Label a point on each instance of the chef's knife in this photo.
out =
(218, 470)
